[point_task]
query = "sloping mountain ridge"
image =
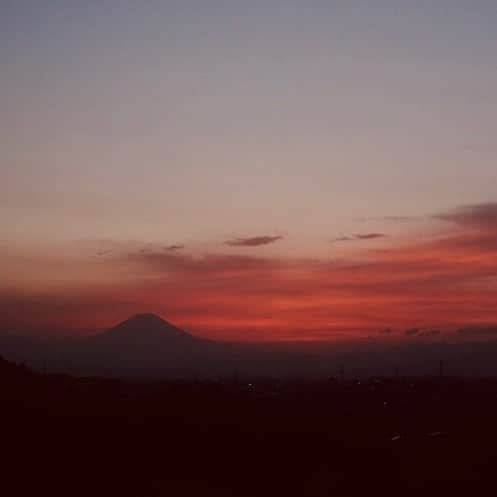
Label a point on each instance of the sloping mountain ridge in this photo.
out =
(145, 329)
(146, 344)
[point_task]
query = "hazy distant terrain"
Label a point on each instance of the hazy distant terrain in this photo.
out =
(147, 346)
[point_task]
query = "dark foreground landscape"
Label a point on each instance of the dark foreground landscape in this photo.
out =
(68, 436)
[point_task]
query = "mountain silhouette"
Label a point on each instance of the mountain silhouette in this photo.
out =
(145, 329)
(145, 344)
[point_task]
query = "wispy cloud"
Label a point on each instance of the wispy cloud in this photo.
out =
(385, 331)
(483, 216)
(103, 253)
(369, 236)
(429, 333)
(255, 241)
(360, 237)
(343, 239)
(174, 248)
(393, 219)
(478, 331)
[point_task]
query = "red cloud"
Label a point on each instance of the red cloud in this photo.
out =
(445, 283)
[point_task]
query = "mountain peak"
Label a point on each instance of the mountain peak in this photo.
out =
(145, 327)
(145, 317)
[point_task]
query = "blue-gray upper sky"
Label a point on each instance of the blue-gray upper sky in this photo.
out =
(200, 121)
(252, 170)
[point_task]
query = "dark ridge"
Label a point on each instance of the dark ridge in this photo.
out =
(145, 328)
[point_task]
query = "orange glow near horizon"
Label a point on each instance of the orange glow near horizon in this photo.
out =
(444, 283)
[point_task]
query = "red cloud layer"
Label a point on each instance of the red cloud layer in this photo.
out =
(448, 282)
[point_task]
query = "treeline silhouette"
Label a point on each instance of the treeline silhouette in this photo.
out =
(65, 435)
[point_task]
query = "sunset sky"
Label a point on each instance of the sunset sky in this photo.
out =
(250, 170)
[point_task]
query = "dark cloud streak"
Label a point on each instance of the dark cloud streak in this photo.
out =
(174, 248)
(478, 216)
(255, 241)
(360, 237)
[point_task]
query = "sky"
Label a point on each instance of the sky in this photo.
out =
(253, 171)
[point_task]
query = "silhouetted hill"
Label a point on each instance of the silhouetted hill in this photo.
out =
(145, 330)
(147, 345)
(15, 382)
(10, 370)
